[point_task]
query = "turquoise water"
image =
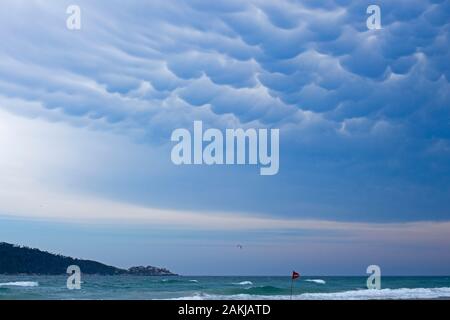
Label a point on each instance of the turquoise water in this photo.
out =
(133, 287)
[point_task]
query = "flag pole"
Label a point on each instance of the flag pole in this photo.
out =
(294, 276)
(292, 285)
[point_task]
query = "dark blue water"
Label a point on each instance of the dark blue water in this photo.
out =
(133, 287)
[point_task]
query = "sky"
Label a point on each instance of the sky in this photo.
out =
(86, 118)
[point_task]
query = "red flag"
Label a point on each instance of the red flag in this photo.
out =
(295, 275)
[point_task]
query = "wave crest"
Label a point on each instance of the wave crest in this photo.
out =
(20, 284)
(319, 281)
(365, 294)
(244, 283)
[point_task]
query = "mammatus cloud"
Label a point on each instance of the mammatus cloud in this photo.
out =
(249, 61)
(86, 117)
(345, 98)
(49, 199)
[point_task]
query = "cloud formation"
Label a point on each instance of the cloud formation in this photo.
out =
(255, 60)
(343, 96)
(364, 116)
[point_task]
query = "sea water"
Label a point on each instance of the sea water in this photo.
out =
(209, 287)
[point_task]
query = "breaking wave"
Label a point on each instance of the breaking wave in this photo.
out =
(20, 284)
(319, 281)
(244, 283)
(390, 294)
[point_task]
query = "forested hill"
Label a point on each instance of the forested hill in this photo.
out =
(16, 260)
(23, 260)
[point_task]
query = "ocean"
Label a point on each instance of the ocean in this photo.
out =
(224, 288)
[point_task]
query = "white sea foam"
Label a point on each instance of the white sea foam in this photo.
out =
(403, 293)
(20, 284)
(243, 283)
(196, 281)
(365, 294)
(319, 281)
